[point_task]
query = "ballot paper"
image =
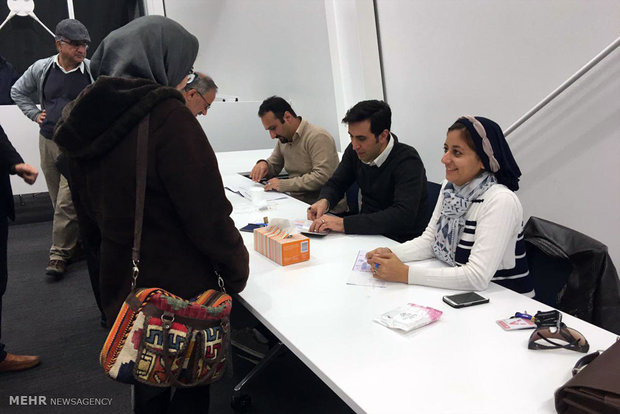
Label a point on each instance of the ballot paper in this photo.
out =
(361, 274)
(250, 190)
(361, 265)
(362, 271)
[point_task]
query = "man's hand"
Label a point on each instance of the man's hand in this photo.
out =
(259, 171)
(41, 117)
(326, 223)
(273, 185)
(27, 172)
(317, 209)
(389, 267)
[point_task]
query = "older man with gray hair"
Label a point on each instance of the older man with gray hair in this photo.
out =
(199, 92)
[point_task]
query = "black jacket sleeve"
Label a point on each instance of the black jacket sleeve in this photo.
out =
(8, 155)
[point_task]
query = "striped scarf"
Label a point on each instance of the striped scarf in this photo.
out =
(456, 202)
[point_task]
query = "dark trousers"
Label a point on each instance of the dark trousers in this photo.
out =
(4, 233)
(155, 400)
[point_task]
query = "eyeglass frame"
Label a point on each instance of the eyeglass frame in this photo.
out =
(204, 99)
(75, 44)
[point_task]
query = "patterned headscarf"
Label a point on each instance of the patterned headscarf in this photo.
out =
(493, 150)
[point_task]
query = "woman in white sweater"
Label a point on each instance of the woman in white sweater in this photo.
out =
(477, 223)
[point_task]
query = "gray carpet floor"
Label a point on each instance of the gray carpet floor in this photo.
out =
(59, 320)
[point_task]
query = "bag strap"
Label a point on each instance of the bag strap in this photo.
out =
(141, 164)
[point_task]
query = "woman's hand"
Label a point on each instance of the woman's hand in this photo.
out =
(387, 266)
(378, 250)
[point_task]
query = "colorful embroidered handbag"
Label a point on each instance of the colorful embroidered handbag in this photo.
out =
(163, 340)
(160, 339)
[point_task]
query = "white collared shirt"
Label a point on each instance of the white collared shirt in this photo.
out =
(80, 66)
(383, 156)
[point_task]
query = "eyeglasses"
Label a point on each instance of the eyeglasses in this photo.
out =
(75, 44)
(208, 105)
(552, 333)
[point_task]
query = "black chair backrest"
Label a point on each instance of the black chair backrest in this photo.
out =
(433, 194)
(548, 273)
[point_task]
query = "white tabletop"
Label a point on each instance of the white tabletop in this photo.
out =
(464, 363)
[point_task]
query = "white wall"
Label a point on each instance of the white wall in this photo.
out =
(443, 59)
(24, 135)
(569, 157)
(255, 49)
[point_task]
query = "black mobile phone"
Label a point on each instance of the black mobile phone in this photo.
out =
(462, 300)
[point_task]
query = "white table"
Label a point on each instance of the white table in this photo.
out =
(464, 363)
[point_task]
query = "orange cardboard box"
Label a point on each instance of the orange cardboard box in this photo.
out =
(274, 244)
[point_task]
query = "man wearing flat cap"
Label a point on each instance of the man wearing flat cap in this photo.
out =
(53, 82)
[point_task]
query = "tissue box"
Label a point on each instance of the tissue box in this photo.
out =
(293, 249)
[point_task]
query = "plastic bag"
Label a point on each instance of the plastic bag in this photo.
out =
(409, 317)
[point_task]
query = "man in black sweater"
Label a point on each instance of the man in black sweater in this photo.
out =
(390, 175)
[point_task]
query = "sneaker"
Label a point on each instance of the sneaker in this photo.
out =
(56, 267)
(250, 341)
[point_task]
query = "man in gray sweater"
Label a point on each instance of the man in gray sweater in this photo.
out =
(307, 152)
(53, 82)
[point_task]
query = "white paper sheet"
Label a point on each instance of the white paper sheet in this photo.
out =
(365, 279)
(246, 189)
(361, 274)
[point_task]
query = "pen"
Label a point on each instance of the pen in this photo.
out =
(524, 316)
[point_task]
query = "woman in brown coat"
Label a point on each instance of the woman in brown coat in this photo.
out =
(187, 230)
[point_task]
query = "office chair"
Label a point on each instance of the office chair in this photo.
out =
(573, 272)
(433, 190)
(243, 318)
